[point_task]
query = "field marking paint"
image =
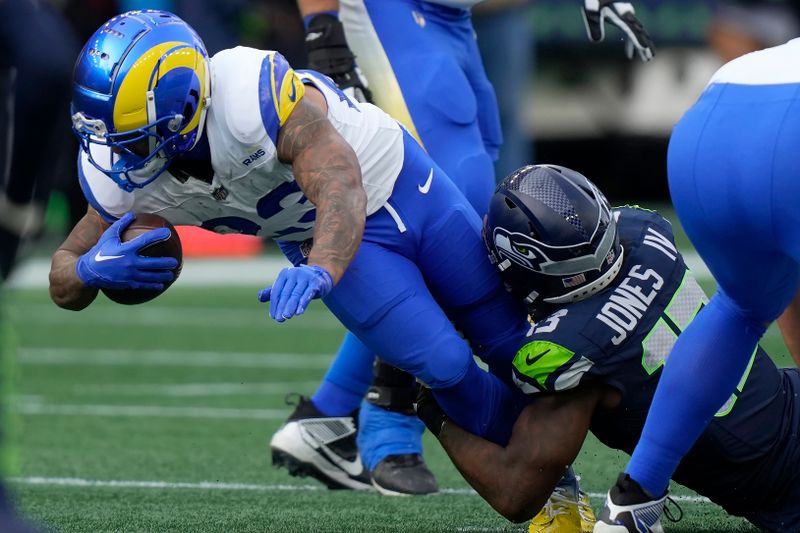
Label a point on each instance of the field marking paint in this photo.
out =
(257, 272)
(169, 316)
(34, 409)
(180, 358)
(130, 484)
(213, 485)
(182, 390)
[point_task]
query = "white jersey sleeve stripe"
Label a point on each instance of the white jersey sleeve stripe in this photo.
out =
(100, 191)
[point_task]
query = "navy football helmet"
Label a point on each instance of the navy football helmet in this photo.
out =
(552, 234)
(142, 87)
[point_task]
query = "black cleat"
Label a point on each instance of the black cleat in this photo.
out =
(404, 475)
(323, 447)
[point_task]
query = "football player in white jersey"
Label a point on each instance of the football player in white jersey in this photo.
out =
(424, 69)
(243, 143)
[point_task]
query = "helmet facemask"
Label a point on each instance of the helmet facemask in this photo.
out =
(135, 159)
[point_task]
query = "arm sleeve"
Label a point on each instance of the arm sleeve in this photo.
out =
(279, 90)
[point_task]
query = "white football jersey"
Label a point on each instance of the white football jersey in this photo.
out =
(772, 66)
(253, 92)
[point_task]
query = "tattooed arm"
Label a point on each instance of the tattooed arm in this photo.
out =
(328, 172)
(66, 289)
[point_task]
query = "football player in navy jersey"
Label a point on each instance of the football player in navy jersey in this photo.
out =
(424, 69)
(610, 294)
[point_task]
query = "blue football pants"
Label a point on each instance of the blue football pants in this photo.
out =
(733, 176)
(420, 275)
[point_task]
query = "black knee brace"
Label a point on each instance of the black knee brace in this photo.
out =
(392, 388)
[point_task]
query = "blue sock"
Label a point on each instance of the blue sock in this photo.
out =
(569, 481)
(347, 379)
(382, 433)
(482, 404)
(703, 369)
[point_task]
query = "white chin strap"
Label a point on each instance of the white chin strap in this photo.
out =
(204, 105)
(151, 119)
(142, 175)
(581, 293)
(150, 169)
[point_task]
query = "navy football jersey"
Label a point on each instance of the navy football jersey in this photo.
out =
(747, 460)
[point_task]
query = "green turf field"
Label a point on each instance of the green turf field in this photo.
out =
(157, 418)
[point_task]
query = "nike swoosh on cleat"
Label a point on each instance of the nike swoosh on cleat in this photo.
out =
(425, 187)
(352, 468)
(100, 257)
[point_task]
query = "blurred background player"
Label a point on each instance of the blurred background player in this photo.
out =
(585, 369)
(733, 179)
(30, 120)
(508, 50)
(422, 66)
(739, 27)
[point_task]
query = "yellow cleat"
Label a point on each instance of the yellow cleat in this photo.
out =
(586, 513)
(561, 514)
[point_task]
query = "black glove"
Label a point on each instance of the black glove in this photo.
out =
(621, 15)
(429, 412)
(329, 54)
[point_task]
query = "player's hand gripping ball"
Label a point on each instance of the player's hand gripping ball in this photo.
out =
(135, 260)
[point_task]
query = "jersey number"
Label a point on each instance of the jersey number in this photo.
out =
(684, 306)
(271, 204)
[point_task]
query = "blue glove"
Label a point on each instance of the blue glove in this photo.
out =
(294, 289)
(113, 264)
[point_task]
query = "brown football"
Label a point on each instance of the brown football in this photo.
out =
(169, 248)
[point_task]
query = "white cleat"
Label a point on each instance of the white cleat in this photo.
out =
(311, 444)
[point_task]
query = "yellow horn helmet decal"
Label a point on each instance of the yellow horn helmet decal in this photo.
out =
(130, 106)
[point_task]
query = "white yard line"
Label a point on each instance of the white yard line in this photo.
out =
(180, 358)
(130, 484)
(181, 390)
(256, 272)
(209, 485)
(158, 411)
(44, 314)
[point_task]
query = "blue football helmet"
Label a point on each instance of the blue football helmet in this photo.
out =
(553, 236)
(142, 87)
